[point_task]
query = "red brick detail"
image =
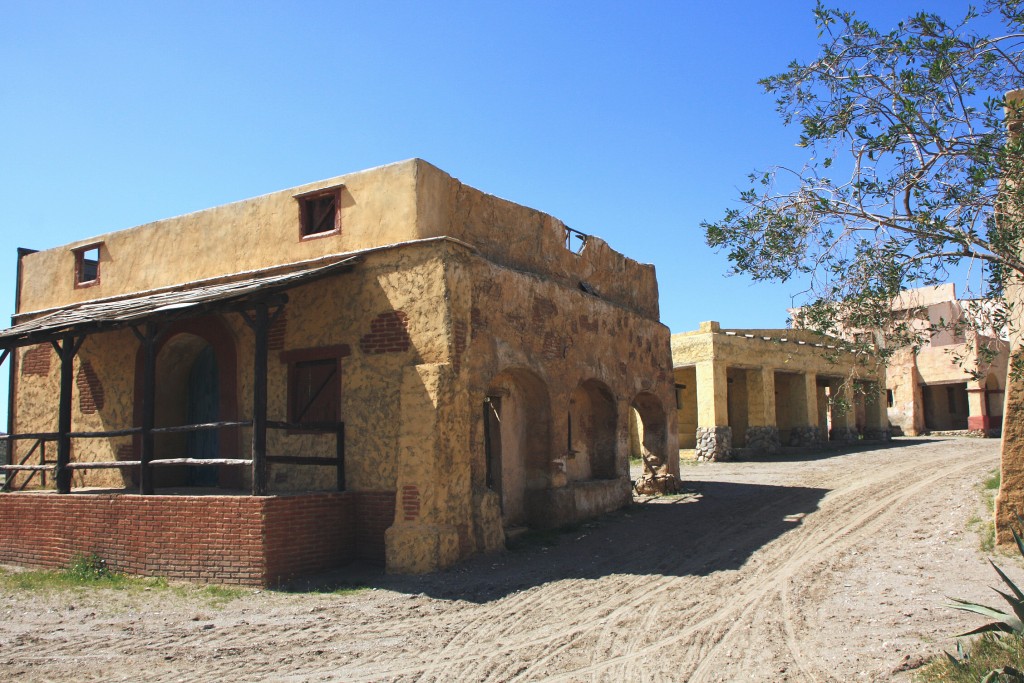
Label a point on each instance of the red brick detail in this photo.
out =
(228, 539)
(477, 319)
(375, 512)
(543, 311)
(554, 346)
(389, 333)
(410, 503)
(90, 390)
(458, 343)
(276, 332)
(36, 360)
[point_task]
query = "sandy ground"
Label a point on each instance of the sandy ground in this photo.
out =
(823, 568)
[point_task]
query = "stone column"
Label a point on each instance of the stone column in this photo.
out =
(422, 538)
(977, 407)
(762, 432)
(714, 435)
(876, 412)
(844, 413)
(806, 432)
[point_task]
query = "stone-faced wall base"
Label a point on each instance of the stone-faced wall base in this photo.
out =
(810, 435)
(877, 435)
(714, 444)
(844, 434)
(764, 440)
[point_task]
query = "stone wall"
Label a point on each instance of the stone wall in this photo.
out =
(806, 436)
(714, 444)
(844, 435)
(763, 440)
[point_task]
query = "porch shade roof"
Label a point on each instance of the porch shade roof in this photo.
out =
(169, 304)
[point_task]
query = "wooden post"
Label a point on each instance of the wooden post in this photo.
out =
(340, 451)
(148, 409)
(259, 402)
(9, 459)
(66, 349)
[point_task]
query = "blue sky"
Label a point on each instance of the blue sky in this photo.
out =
(632, 121)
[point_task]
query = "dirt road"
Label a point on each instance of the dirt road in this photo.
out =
(815, 569)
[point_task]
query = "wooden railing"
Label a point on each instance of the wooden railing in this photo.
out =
(41, 469)
(44, 466)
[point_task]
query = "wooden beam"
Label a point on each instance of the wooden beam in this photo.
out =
(99, 465)
(200, 461)
(148, 338)
(339, 446)
(66, 350)
(259, 401)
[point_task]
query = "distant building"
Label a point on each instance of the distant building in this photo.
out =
(751, 392)
(933, 388)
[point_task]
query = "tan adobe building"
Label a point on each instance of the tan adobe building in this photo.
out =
(389, 365)
(930, 389)
(749, 392)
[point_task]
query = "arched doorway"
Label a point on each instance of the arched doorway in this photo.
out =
(194, 384)
(648, 433)
(202, 405)
(517, 435)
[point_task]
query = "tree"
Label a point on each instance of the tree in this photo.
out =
(905, 183)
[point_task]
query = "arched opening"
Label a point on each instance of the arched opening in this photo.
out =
(648, 433)
(517, 436)
(187, 379)
(194, 384)
(592, 424)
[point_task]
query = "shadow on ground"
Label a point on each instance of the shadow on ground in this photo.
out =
(791, 454)
(714, 526)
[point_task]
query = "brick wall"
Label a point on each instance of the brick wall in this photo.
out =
(388, 334)
(228, 539)
(36, 360)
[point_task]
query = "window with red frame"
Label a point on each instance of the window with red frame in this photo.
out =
(320, 213)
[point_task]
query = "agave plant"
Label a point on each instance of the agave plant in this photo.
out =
(1005, 622)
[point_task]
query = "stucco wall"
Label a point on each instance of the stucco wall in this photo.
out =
(399, 202)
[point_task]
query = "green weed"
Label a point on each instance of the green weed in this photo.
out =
(84, 571)
(987, 654)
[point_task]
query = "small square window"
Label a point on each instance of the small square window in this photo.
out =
(87, 265)
(320, 213)
(314, 384)
(316, 392)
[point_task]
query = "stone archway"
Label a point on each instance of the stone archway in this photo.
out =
(649, 424)
(517, 434)
(592, 438)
